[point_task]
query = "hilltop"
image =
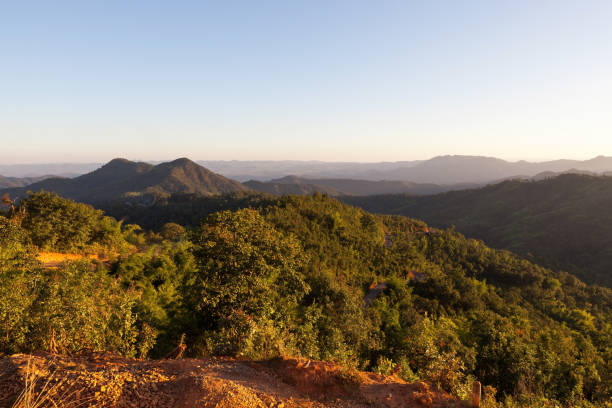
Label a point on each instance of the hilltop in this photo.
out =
(563, 222)
(121, 178)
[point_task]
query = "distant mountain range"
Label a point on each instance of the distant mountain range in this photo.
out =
(341, 187)
(268, 170)
(11, 182)
(560, 218)
(562, 222)
(38, 170)
(441, 170)
(440, 174)
(350, 187)
(121, 178)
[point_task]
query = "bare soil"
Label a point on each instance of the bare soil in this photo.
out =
(57, 259)
(96, 379)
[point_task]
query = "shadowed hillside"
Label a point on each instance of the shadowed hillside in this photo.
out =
(337, 187)
(563, 222)
(298, 188)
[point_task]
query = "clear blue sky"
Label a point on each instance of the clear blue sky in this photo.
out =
(329, 80)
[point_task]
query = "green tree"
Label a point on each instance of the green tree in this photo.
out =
(55, 223)
(249, 276)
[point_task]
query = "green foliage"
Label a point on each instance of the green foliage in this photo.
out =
(54, 223)
(563, 222)
(248, 277)
(183, 209)
(43, 305)
(159, 274)
(292, 277)
(16, 300)
(172, 231)
(15, 251)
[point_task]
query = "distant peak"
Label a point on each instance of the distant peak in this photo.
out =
(288, 179)
(123, 165)
(119, 160)
(458, 157)
(183, 161)
(119, 163)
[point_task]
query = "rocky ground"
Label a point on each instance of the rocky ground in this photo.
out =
(105, 380)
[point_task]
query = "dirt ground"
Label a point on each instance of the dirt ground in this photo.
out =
(57, 259)
(105, 380)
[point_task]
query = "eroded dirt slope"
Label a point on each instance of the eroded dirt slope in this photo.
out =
(105, 380)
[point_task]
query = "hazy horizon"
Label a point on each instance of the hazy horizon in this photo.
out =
(195, 159)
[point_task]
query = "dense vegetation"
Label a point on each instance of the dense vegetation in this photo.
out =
(183, 209)
(564, 223)
(289, 276)
(339, 187)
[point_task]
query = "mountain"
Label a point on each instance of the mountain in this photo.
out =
(267, 170)
(563, 222)
(338, 187)
(477, 169)
(12, 182)
(137, 180)
(442, 170)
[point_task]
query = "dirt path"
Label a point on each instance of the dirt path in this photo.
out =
(104, 380)
(56, 259)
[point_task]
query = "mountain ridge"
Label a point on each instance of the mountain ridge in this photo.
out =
(121, 178)
(12, 182)
(444, 170)
(351, 187)
(561, 222)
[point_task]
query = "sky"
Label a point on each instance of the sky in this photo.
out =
(352, 80)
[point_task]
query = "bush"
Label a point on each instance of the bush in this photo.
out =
(248, 275)
(57, 224)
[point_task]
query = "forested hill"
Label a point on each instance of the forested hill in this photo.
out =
(563, 222)
(140, 182)
(291, 276)
(337, 187)
(296, 186)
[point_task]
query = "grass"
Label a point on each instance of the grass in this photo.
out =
(47, 391)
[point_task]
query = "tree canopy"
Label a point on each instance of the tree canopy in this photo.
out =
(291, 277)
